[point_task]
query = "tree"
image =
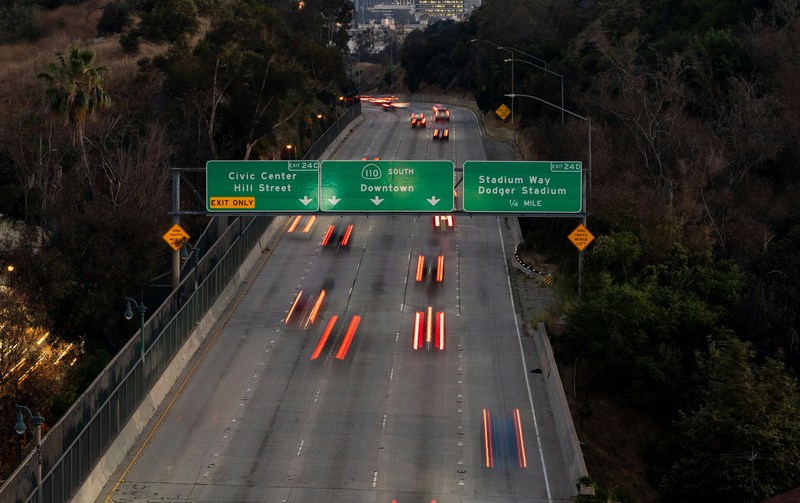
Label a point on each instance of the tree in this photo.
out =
(740, 443)
(248, 82)
(19, 19)
(75, 91)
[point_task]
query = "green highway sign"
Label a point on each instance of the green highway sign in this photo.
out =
(262, 186)
(392, 186)
(522, 186)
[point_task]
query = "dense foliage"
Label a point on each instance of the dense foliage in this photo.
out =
(690, 302)
(86, 158)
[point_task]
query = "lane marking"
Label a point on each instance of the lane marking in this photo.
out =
(525, 367)
(230, 310)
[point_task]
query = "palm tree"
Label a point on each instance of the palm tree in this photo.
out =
(75, 91)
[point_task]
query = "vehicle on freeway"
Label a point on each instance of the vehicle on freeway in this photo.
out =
(440, 113)
(443, 222)
(304, 310)
(370, 158)
(418, 120)
(337, 237)
(441, 134)
(388, 107)
(428, 330)
(430, 268)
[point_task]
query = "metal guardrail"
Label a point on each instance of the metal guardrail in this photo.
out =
(74, 445)
(79, 439)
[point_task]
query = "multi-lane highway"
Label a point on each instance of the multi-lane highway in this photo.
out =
(310, 390)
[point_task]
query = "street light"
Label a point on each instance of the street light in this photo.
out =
(583, 179)
(194, 254)
(20, 429)
(561, 76)
(500, 47)
(129, 315)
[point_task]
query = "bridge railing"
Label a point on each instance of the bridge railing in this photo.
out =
(79, 439)
(73, 446)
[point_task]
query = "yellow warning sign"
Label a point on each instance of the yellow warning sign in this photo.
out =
(581, 237)
(175, 237)
(219, 203)
(502, 111)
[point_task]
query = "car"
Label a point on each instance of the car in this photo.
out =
(440, 113)
(443, 222)
(441, 134)
(388, 107)
(336, 237)
(370, 158)
(429, 268)
(418, 120)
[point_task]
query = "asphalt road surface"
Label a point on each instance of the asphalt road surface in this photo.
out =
(370, 418)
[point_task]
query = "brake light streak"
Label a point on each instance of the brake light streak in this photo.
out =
(523, 461)
(327, 236)
(420, 267)
(294, 305)
(440, 268)
(324, 338)
(429, 329)
(310, 223)
(348, 338)
(294, 223)
(440, 331)
(487, 439)
(346, 236)
(315, 310)
(419, 320)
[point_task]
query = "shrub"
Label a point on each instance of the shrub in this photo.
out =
(114, 19)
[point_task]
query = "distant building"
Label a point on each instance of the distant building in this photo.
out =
(409, 12)
(441, 9)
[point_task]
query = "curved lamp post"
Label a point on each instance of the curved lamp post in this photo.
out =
(512, 60)
(141, 308)
(194, 254)
(20, 428)
(511, 51)
(584, 179)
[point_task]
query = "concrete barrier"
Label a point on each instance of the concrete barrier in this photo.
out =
(565, 428)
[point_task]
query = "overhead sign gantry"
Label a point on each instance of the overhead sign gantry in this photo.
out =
(411, 186)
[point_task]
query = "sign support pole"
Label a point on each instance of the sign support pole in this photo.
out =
(176, 220)
(583, 219)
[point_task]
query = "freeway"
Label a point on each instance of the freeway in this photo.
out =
(311, 388)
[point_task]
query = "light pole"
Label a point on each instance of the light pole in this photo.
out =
(546, 71)
(193, 253)
(129, 315)
(511, 51)
(583, 178)
(20, 429)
